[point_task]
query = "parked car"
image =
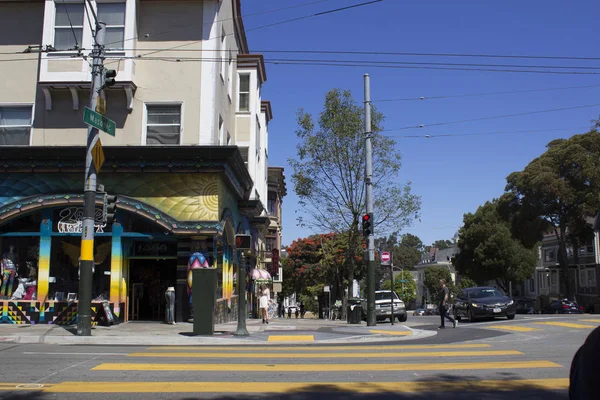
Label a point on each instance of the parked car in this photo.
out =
(563, 306)
(383, 306)
(482, 302)
(525, 306)
(419, 312)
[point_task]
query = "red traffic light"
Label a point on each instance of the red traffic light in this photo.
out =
(366, 217)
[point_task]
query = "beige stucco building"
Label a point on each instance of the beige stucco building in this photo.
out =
(188, 161)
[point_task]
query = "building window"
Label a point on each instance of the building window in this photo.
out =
(163, 125)
(549, 256)
(590, 250)
(257, 138)
(244, 93)
(591, 277)
(553, 277)
(582, 278)
(271, 243)
(271, 203)
(15, 125)
(68, 25)
(113, 14)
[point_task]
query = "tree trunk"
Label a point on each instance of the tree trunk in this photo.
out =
(563, 260)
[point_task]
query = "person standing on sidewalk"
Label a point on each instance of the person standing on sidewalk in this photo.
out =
(444, 295)
(170, 305)
(264, 303)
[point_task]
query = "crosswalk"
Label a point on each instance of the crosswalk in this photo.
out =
(533, 326)
(410, 368)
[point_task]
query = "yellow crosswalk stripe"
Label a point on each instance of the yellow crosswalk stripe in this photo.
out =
(330, 355)
(325, 367)
(400, 333)
(291, 338)
(287, 387)
(513, 328)
(565, 324)
(590, 320)
(279, 349)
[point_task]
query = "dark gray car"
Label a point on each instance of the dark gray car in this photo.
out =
(483, 302)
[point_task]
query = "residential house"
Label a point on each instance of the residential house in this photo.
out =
(434, 258)
(188, 162)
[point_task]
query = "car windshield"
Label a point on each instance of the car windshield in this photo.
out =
(384, 296)
(483, 293)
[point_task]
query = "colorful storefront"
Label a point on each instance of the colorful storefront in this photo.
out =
(171, 203)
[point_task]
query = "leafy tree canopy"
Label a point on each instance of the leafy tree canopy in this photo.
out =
(433, 275)
(329, 173)
(489, 252)
(406, 290)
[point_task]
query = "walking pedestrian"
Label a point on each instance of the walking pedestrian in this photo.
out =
(289, 312)
(264, 304)
(302, 310)
(444, 295)
(170, 305)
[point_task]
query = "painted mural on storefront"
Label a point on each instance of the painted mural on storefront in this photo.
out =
(178, 203)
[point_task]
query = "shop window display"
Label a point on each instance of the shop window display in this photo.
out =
(64, 268)
(18, 268)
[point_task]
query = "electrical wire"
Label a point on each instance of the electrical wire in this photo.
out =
(435, 135)
(494, 117)
(483, 94)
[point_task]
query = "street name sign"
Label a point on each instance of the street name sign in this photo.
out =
(99, 121)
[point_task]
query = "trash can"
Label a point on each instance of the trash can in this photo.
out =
(354, 311)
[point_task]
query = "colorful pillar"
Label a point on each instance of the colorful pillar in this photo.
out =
(116, 266)
(44, 257)
(227, 274)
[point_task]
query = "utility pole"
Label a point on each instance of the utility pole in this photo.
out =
(86, 262)
(371, 319)
(241, 290)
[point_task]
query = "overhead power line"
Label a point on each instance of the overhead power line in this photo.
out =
(436, 135)
(494, 117)
(483, 94)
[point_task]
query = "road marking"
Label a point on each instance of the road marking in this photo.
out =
(321, 348)
(330, 355)
(392, 332)
(514, 328)
(324, 367)
(287, 387)
(75, 354)
(590, 320)
(291, 338)
(566, 325)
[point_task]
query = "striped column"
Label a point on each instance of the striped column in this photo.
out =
(116, 267)
(44, 257)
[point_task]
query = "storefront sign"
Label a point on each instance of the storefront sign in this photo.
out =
(154, 249)
(71, 220)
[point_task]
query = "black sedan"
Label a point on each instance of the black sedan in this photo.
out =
(563, 306)
(483, 302)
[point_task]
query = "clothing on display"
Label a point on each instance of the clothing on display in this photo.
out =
(9, 272)
(170, 305)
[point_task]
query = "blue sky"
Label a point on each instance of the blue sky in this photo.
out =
(454, 174)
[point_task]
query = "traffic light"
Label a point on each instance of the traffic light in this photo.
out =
(109, 77)
(110, 208)
(367, 224)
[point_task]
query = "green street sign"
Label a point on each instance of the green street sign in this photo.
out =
(99, 121)
(403, 281)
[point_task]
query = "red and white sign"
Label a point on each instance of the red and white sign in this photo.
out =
(385, 256)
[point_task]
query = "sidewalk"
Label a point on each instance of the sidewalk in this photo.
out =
(277, 332)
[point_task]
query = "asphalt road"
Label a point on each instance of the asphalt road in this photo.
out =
(527, 358)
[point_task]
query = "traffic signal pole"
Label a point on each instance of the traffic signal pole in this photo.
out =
(86, 261)
(371, 318)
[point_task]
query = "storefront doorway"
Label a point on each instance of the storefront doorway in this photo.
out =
(148, 281)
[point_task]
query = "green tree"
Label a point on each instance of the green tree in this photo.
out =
(442, 244)
(489, 252)
(560, 189)
(329, 174)
(407, 290)
(408, 253)
(433, 275)
(466, 282)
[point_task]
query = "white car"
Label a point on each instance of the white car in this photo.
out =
(383, 306)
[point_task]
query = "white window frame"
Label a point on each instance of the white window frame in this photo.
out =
(85, 30)
(240, 74)
(166, 104)
(21, 105)
(124, 2)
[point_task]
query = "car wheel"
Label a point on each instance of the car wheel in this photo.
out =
(402, 318)
(471, 316)
(510, 316)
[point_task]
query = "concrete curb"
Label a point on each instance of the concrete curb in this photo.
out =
(228, 339)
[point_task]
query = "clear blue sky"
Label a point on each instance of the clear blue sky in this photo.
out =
(455, 174)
